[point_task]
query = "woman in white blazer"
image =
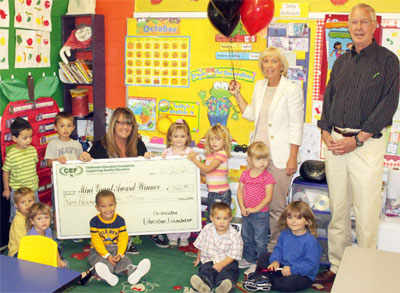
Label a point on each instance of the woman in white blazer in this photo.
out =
(277, 109)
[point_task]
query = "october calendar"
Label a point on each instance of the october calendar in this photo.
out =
(157, 61)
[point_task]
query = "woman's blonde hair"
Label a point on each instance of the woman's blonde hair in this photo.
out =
(38, 208)
(179, 124)
(108, 140)
(274, 52)
(302, 209)
(221, 132)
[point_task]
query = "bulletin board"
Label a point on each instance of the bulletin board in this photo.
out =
(193, 67)
(188, 73)
(210, 61)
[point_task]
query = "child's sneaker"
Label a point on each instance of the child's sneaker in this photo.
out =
(250, 270)
(258, 282)
(159, 240)
(184, 243)
(224, 287)
(243, 264)
(142, 269)
(131, 249)
(199, 285)
(173, 243)
(104, 273)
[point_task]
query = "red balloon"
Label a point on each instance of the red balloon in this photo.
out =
(256, 14)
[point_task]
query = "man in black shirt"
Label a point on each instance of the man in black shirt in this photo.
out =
(359, 102)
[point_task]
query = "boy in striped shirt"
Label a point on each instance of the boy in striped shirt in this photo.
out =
(19, 169)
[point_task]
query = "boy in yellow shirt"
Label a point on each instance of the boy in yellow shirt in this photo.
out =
(24, 198)
(109, 240)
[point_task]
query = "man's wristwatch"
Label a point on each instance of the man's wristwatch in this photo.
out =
(358, 142)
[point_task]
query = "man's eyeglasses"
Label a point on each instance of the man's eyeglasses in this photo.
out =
(124, 123)
(363, 22)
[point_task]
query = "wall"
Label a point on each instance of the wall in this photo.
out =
(115, 13)
(59, 8)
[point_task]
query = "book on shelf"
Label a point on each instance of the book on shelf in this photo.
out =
(80, 65)
(86, 65)
(77, 71)
(66, 72)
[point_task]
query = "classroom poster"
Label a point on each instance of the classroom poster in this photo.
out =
(294, 39)
(392, 156)
(338, 39)
(4, 48)
(33, 14)
(32, 49)
(173, 110)
(4, 13)
(391, 40)
(144, 110)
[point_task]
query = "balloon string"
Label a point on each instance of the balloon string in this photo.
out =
(231, 57)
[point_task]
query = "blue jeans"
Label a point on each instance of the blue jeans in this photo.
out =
(13, 209)
(213, 197)
(255, 235)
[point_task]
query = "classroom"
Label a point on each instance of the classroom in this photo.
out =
(200, 145)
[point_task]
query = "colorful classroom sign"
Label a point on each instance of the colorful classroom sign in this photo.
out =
(144, 110)
(190, 111)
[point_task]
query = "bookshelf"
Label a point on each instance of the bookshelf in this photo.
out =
(95, 53)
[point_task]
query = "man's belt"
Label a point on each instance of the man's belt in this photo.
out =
(346, 133)
(353, 133)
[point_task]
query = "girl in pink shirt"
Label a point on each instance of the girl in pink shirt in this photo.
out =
(254, 194)
(178, 142)
(217, 148)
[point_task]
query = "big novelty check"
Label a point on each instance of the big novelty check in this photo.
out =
(153, 196)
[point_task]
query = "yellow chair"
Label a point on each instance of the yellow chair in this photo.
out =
(38, 249)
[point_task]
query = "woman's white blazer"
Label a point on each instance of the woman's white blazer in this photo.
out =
(285, 122)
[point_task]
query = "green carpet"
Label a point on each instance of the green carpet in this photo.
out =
(169, 268)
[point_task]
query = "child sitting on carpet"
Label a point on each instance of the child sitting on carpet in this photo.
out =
(220, 248)
(109, 242)
(294, 263)
(38, 222)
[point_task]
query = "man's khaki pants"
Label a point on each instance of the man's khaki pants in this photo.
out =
(354, 179)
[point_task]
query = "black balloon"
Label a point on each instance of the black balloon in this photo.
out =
(228, 8)
(222, 24)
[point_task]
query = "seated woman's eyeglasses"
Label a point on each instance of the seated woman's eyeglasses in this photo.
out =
(125, 123)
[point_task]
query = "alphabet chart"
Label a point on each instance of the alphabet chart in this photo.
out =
(157, 61)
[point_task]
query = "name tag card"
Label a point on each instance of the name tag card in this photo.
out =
(153, 196)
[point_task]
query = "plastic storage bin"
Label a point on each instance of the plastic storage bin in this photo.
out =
(317, 197)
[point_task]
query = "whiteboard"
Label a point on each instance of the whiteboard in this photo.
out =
(153, 196)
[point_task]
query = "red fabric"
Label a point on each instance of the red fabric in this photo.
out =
(75, 44)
